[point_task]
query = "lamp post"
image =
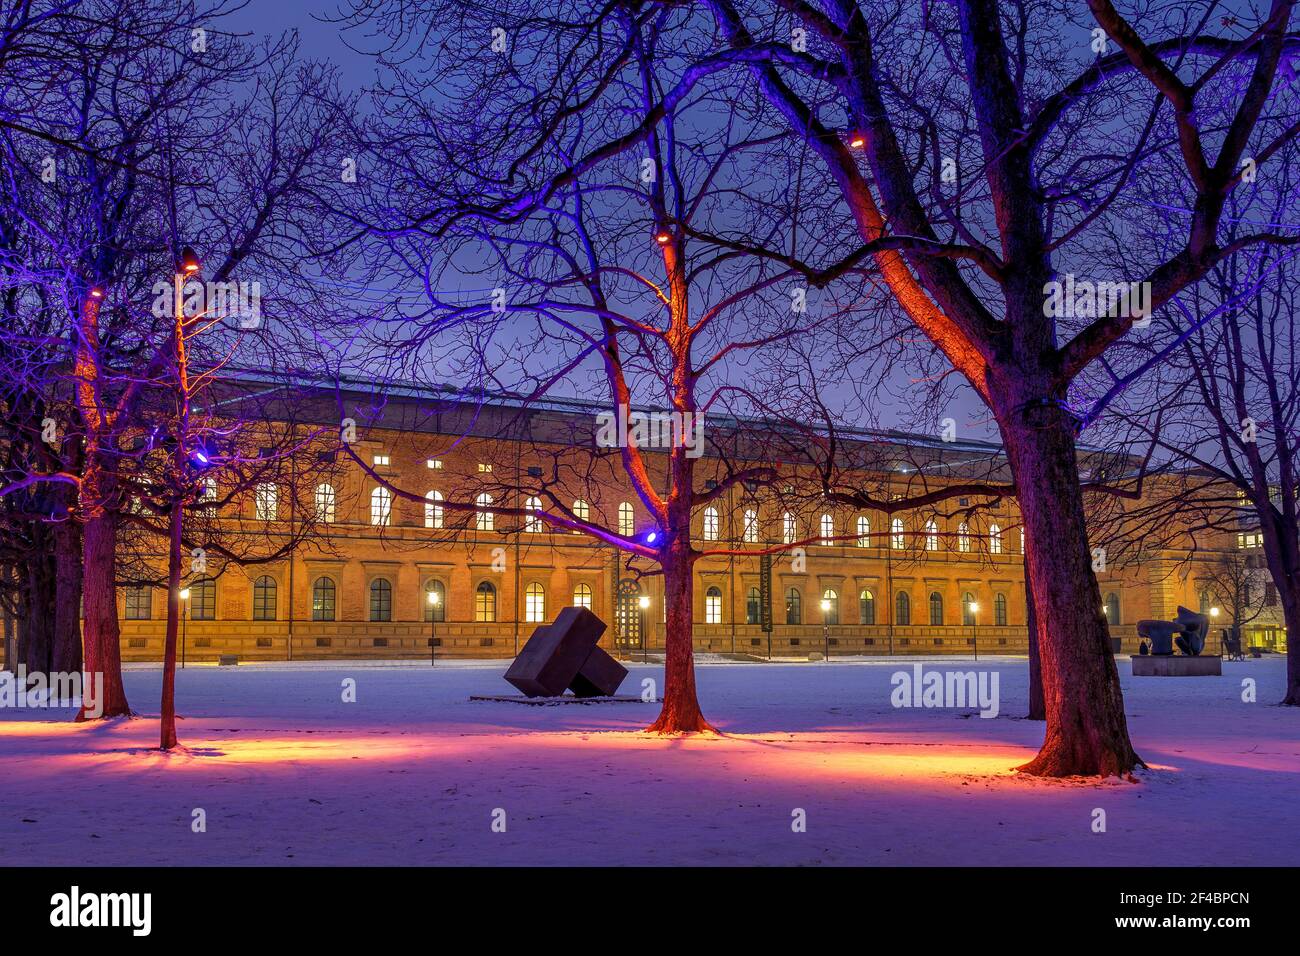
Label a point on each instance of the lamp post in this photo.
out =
(974, 635)
(643, 602)
(826, 630)
(1214, 614)
(434, 601)
(185, 612)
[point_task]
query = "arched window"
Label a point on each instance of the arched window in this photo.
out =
(203, 600)
(903, 608)
(1205, 602)
(326, 503)
(751, 525)
(435, 610)
(713, 605)
(710, 524)
(1112, 608)
(968, 609)
(432, 510)
(896, 534)
(381, 506)
(533, 523)
(827, 530)
(581, 511)
(535, 603)
(830, 606)
(866, 607)
(264, 598)
(1000, 610)
(381, 600)
(207, 492)
(931, 535)
(963, 538)
(753, 606)
(793, 606)
(266, 501)
(322, 599)
(995, 539)
(789, 531)
(485, 602)
(626, 520)
(139, 603)
(582, 596)
(864, 531)
(484, 520)
(936, 608)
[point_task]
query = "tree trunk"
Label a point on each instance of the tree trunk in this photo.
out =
(681, 709)
(1087, 733)
(1037, 709)
(102, 637)
(1282, 552)
(67, 598)
(168, 722)
(38, 605)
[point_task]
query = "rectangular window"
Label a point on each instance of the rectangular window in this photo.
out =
(381, 460)
(139, 601)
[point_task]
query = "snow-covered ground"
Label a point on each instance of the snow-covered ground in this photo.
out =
(286, 772)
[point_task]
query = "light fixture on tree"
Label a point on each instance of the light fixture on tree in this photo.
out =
(857, 140)
(663, 236)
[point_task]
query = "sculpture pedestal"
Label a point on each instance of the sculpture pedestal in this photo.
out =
(1178, 665)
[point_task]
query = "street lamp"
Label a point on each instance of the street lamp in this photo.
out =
(974, 635)
(185, 600)
(434, 601)
(826, 630)
(643, 602)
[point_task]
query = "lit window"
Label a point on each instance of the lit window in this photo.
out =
(484, 468)
(830, 606)
(207, 491)
(1022, 540)
(751, 525)
(582, 596)
(963, 538)
(381, 461)
(931, 535)
(789, 531)
(381, 506)
(581, 511)
(995, 539)
(266, 499)
(485, 603)
(432, 510)
(532, 523)
(326, 503)
(710, 524)
(864, 531)
(534, 603)
(713, 606)
(484, 520)
(828, 530)
(626, 520)
(896, 537)
(435, 463)
(322, 599)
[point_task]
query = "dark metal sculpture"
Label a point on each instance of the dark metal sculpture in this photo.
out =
(564, 654)
(1188, 630)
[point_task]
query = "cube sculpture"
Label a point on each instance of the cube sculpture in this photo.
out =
(563, 654)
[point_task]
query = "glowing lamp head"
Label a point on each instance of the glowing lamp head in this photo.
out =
(974, 606)
(826, 606)
(434, 600)
(96, 292)
(189, 263)
(1214, 612)
(185, 594)
(652, 537)
(857, 140)
(663, 237)
(643, 601)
